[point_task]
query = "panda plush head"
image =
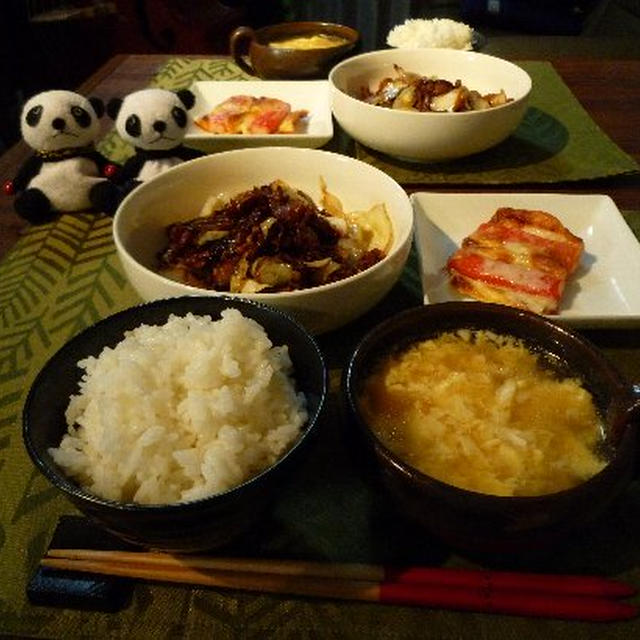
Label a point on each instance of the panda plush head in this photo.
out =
(154, 122)
(58, 119)
(152, 119)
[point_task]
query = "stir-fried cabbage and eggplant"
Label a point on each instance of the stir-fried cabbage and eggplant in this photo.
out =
(412, 92)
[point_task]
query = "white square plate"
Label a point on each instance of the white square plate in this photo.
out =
(312, 95)
(603, 292)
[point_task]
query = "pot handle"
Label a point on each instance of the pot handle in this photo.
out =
(239, 43)
(633, 417)
(627, 421)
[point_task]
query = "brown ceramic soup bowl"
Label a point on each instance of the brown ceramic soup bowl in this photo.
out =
(488, 524)
(277, 62)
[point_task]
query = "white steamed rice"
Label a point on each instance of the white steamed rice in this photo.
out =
(181, 411)
(442, 33)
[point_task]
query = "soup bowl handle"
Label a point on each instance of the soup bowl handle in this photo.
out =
(632, 419)
(239, 44)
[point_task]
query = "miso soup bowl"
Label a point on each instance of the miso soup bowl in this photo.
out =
(488, 524)
(254, 53)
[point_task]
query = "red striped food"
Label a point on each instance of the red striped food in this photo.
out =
(520, 257)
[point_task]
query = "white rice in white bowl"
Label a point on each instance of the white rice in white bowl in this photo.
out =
(440, 33)
(181, 411)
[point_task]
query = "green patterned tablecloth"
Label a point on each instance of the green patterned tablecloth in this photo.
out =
(65, 275)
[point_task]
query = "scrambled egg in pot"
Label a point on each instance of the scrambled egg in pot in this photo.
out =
(481, 412)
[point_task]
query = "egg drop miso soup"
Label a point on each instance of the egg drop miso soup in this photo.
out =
(316, 41)
(482, 412)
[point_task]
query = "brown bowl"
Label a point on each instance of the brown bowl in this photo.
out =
(481, 523)
(267, 61)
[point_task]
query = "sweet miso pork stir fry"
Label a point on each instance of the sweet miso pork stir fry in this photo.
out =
(274, 238)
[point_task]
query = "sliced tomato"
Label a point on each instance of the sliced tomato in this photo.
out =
(266, 115)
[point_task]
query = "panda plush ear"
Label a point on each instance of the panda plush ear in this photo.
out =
(98, 106)
(186, 97)
(113, 107)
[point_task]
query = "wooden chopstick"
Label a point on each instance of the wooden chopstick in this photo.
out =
(472, 578)
(362, 582)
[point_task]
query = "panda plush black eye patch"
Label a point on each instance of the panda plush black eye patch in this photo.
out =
(33, 115)
(81, 116)
(179, 116)
(132, 126)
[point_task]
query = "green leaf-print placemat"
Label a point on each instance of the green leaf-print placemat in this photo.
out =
(557, 141)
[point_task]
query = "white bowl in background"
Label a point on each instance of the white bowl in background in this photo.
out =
(178, 194)
(428, 136)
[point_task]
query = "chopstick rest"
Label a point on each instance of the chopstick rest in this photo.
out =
(80, 590)
(537, 595)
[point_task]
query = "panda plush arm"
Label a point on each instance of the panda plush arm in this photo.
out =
(27, 171)
(187, 153)
(133, 165)
(102, 162)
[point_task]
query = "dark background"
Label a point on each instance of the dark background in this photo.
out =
(56, 44)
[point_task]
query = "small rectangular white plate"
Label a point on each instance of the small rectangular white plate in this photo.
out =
(603, 292)
(311, 95)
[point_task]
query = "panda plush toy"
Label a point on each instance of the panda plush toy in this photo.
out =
(62, 127)
(154, 121)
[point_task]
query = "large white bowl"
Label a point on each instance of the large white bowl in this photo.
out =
(179, 193)
(428, 136)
